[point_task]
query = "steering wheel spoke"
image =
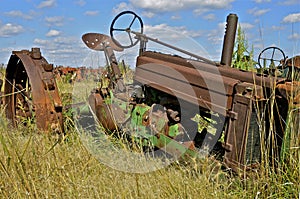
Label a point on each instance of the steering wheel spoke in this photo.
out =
(131, 41)
(132, 21)
(119, 29)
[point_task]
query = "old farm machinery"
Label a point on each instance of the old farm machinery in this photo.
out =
(169, 90)
(30, 91)
(184, 106)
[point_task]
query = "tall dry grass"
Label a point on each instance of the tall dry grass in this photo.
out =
(37, 165)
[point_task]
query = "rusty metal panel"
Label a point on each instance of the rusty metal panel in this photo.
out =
(225, 71)
(103, 111)
(244, 76)
(164, 76)
(178, 88)
(166, 58)
(194, 76)
(290, 91)
(294, 61)
(242, 142)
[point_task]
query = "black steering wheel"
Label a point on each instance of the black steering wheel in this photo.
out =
(272, 58)
(132, 35)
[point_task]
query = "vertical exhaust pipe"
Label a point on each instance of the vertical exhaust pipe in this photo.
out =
(229, 39)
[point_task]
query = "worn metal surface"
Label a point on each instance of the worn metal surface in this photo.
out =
(162, 73)
(294, 61)
(225, 71)
(103, 111)
(290, 91)
(242, 138)
(31, 91)
(101, 42)
(246, 95)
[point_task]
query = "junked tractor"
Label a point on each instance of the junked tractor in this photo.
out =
(192, 106)
(184, 106)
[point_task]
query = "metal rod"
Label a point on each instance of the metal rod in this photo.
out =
(142, 36)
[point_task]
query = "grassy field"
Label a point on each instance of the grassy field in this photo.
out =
(36, 165)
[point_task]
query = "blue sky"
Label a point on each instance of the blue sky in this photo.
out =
(56, 26)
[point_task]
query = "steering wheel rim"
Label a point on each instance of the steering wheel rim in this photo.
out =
(128, 29)
(262, 59)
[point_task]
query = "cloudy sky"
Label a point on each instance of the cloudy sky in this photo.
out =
(56, 26)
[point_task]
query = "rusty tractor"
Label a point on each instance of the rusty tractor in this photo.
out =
(170, 90)
(183, 106)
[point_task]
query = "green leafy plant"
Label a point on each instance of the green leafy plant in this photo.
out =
(242, 58)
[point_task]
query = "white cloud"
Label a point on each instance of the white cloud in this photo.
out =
(290, 2)
(294, 36)
(215, 36)
(47, 4)
(66, 51)
(41, 42)
(148, 14)
(80, 2)
(9, 29)
(121, 7)
(91, 13)
(175, 5)
(262, 1)
(178, 36)
(55, 21)
(5, 50)
(246, 26)
(200, 11)
(53, 33)
(258, 12)
(176, 17)
(158, 6)
(18, 13)
(5, 54)
(292, 18)
(277, 28)
(164, 31)
(210, 17)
